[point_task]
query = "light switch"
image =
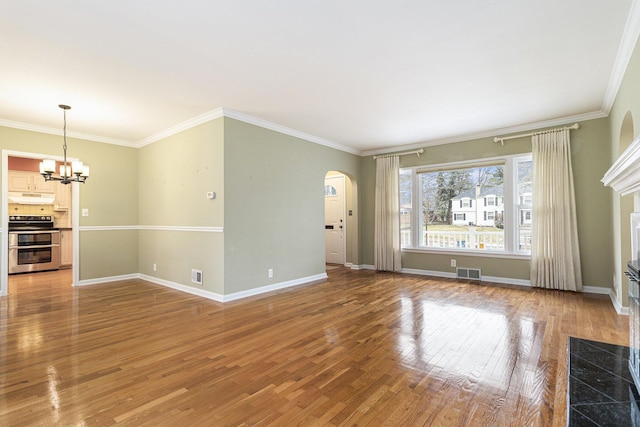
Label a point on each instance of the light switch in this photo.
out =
(85, 212)
(211, 195)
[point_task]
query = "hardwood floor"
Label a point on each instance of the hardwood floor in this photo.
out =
(362, 348)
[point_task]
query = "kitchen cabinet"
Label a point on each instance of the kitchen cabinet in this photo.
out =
(63, 197)
(66, 248)
(29, 182)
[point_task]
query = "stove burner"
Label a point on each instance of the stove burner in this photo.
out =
(30, 222)
(30, 218)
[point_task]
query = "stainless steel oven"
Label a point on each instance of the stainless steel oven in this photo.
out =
(34, 245)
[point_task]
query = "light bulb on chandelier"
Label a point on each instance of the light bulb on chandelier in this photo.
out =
(77, 172)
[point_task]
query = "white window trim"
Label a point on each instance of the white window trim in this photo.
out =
(510, 187)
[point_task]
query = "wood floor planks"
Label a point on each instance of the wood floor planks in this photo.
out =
(362, 348)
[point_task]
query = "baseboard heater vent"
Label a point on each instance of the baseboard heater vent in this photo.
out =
(468, 273)
(196, 276)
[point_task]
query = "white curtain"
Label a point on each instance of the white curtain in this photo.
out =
(555, 256)
(387, 215)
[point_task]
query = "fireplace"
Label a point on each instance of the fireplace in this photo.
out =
(634, 320)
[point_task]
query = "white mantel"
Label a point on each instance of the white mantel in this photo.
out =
(624, 175)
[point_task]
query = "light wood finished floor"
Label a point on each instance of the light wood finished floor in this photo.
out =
(361, 349)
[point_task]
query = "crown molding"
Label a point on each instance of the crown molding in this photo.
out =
(180, 127)
(58, 132)
(491, 133)
(625, 51)
(243, 117)
(246, 118)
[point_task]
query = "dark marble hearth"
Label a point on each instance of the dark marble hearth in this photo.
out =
(601, 390)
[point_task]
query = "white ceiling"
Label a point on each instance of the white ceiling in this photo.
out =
(370, 76)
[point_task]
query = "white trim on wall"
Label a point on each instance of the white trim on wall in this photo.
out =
(625, 51)
(199, 229)
(205, 293)
(560, 121)
(181, 127)
(110, 279)
(243, 117)
(616, 304)
(70, 134)
(495, 279)
(247, 118)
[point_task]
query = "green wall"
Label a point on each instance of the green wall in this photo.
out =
(590, 159)
(274, 206)
(175, 214)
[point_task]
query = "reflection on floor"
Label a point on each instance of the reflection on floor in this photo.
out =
(332, 266)
(40, 280)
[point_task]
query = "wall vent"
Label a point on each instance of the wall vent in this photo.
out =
(196, 276)
(468, 273)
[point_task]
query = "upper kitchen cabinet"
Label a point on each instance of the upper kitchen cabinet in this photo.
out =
(29, 182)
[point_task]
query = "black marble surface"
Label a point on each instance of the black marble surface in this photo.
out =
(601, 391)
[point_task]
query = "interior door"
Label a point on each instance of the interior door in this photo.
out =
(334, 205)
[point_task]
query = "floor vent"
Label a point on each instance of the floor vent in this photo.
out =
(468, 273)
(196, 276)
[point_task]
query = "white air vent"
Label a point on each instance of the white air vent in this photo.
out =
(468, 273)
(196, 276)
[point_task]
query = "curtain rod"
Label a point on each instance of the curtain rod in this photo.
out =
(418, 152)
(501, 140)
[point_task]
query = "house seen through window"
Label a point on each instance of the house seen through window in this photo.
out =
(470, 207)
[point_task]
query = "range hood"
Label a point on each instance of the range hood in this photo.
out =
(32, 198)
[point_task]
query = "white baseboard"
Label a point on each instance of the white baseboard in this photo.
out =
(451, 275)
(596, 290)
(276, 286)
(236, 295)
(495, 279)
(303, 280)
(624, 311)
(108, 279)
(507, 281)
(184, 288)
(428, 273)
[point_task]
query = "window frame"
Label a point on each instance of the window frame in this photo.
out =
(509, 198)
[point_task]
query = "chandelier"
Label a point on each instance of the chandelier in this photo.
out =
(77, 172)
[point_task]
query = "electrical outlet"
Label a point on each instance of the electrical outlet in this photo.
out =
(155, 267)
(270, 273)
(453, 263)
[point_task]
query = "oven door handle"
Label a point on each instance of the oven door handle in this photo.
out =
(42, 231)
(35, 246)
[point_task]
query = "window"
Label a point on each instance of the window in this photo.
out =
(330, 191)
(482, 206)
(405, 207)
(524, 195)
